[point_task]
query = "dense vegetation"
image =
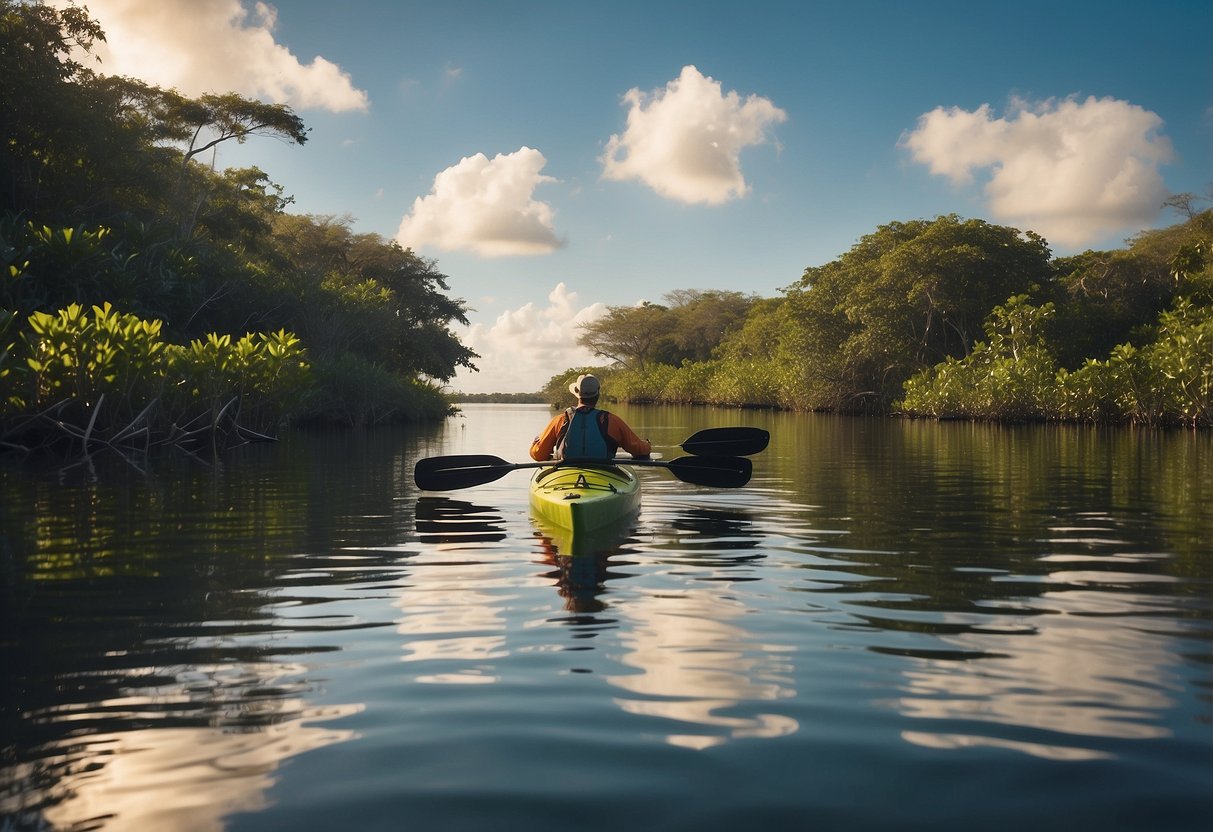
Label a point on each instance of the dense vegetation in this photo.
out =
(146, 296)
(949, 318)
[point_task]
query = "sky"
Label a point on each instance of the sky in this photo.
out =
(557, 157)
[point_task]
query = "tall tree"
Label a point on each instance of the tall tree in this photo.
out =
(630, 336)
(45, 118)
(704, 318)
(202, 124)
(358, 293)
(903, 298)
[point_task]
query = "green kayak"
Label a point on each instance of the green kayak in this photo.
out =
(584, 497)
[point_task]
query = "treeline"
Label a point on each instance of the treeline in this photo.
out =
(499, 398)
(945, 318)
(144, 293)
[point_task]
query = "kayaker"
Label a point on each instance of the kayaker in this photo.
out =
(586, 433)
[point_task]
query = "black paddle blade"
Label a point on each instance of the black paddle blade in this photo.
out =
(447, 473)
(714, 471)
(736, 441)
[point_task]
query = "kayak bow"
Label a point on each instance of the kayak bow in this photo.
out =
(583, 497)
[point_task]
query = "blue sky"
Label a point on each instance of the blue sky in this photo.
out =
(559, 157)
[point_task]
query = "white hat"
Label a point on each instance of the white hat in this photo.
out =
(585, 387)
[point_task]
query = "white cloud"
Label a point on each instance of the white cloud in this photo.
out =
(201, 46)
(525, 347)
(1071, 171)
(485, 205)
(685, 141)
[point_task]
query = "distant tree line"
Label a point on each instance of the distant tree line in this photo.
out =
(498, 398)
(130, 268)
(944, 318)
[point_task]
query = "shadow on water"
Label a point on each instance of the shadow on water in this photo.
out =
(442, 520)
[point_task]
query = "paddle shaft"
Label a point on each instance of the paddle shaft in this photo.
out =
(449, 473)
(717, 462)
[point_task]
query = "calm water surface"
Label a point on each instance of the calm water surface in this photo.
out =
(894, 626)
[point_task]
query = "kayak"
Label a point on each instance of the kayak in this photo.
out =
(584, 497)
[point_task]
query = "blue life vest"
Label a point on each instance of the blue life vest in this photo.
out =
(584, 436)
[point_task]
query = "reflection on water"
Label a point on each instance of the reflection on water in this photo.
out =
(583, 567)
(689, 660)
(450, 618)
(1049, 674)
(158, 778)
(154, 630)
(885, 608)
(687, 655)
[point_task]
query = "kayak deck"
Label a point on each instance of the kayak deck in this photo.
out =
(583, 497)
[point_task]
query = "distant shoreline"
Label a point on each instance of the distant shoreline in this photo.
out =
(497, 398)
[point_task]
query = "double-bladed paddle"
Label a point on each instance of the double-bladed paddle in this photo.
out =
(718, 462)
(447, 473)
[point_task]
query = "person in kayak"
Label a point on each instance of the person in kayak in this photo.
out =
(586, 433)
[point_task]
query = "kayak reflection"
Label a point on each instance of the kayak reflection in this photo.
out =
(581, 560)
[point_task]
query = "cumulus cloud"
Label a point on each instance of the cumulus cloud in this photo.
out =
(525, 347)
(486, 206)
(685, 141)
(201, 46)
(1073, 171)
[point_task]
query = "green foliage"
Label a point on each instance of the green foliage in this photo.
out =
(704, 319)
(647, 384)
(691, 383)
(1108, 298)
(1181, 360)
(852, 327)
(752, 383)
(1014, 375)
(77, 359)
(107, 200)
(78, 356)
(44, 112)
(13, 369)
(268, 373)
(357, 293)
(136, 266)
(905, 297)
(630, 336)
(1009, 377)
(356, 392)
(1103, 299)
(1110, 391)
(689, 328)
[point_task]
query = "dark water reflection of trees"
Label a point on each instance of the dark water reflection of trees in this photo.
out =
(149, 600)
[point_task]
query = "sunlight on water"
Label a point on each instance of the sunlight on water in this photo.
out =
(689, 661)
(164, 778)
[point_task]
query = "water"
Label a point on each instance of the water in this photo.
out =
(894, 625)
